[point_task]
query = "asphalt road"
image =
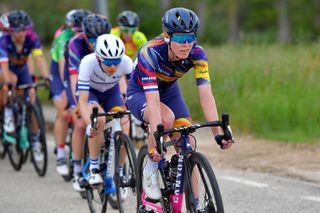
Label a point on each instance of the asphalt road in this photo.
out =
(242, 191)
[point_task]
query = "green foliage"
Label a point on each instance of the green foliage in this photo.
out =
(269, 91)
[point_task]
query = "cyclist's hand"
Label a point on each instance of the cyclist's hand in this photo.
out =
(47, 82)
(90, 132)
(153, 153)
(224, 144)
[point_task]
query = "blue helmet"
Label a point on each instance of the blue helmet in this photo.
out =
(95, 25)
(77, 18)
(19, 20)
(180, 20)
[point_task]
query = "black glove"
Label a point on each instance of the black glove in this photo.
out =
(219, 139)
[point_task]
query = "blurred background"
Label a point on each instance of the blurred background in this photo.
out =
(263, 56)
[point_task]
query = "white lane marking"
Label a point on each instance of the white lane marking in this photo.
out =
(312, 198)
(246, 182)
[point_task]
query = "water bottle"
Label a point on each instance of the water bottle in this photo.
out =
(8, 120)
(23, 138)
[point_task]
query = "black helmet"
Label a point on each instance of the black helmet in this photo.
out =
(19, 20)
(180, 20)
(96, 25)
(128, 18)
(77, 18)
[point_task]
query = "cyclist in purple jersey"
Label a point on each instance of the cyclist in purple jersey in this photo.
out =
(153, 92)
(79, 46)
(15, 50)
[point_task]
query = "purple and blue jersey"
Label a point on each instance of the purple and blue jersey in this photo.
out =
(15, 58)
(155, 72)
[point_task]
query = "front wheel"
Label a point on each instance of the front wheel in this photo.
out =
(125, 184)
(204, 194)
(37, 136)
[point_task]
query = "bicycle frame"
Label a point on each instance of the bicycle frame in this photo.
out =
(106, 167)
(176, 198)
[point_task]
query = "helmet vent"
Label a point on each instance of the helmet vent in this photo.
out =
(103, 53)
(110, 53)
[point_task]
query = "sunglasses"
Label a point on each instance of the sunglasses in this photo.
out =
(183, 38)
(128, 29)
(110, 62)
(92, 40)
(19, 29)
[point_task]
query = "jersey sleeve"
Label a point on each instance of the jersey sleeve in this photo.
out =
(3, 50)
(74, 57)
(200, 64)
(61, 42)
(85, 70)
(147, 61)
(36, 48)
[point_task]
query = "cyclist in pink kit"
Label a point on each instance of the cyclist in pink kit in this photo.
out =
(153, 92)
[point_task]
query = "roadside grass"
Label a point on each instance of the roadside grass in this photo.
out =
(269, 91)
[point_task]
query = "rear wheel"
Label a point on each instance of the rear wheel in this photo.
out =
(69, 154)
(37, 136)
(209, 197)
(126, 187)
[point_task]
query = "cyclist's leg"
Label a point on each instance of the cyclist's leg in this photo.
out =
(114, 103)
(95, 142)
(183, 118)
(59, 98)
(137, 104)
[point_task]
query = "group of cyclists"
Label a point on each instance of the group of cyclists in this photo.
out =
(113, 69)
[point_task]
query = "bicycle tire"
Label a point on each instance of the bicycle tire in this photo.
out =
(3, 148)
(68, 144)
(211, 185)
(14, 151)
(40, 167)
(123, 192)
(91, 194)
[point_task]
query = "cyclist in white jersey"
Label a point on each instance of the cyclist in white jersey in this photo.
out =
(98, 86)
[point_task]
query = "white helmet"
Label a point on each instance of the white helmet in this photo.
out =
(109, 47)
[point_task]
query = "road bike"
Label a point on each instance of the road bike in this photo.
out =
(188, 183)
(120, 195)
(28, 134)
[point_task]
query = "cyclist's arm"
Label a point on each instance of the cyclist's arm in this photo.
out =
(84, 107)
(5, 72)
(30, 64)
(208, 105)
(42, 65)
(153, 115)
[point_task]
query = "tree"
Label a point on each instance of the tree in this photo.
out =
(234, 21)
(284, 30)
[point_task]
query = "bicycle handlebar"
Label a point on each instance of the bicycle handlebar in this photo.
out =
(185, 130)
(109, 115)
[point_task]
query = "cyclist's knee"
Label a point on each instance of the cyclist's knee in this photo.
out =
(64, 115)
(168, 120)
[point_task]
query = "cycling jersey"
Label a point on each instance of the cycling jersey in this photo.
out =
(138, 39)
(58, 43)
(76, 48)
(9, 53)
(155, 72)
(92, 76)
